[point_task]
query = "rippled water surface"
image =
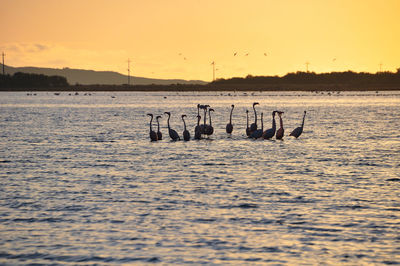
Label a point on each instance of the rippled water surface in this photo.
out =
(82, 184)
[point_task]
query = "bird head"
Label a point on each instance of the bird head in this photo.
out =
(211, 110)
(305, 112)
(158, 117)
(150, 115)
(255, 104)
(168, 113)
(247, 111)
(183, 116)
(233, 106)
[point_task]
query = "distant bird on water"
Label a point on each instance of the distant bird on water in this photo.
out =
(269, 133)
(259, 132)
(253, 127)
(159, 134)
(281, 131)
(172, 133)
(186, 134)
(298, 130)
(153, 135)
(229, 126)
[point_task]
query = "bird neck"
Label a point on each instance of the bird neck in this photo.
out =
(209, 115)
(184, 124)
(168, 121)
(151, 121)
(247, 120)
(302, 124)
(273, 123)
(262, 122)
(230, 118)
(158, 125)
(255, 114)
(280, 121)
(205, 114)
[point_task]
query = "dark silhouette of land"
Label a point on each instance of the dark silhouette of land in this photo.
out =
(89, 77)
(299, 81)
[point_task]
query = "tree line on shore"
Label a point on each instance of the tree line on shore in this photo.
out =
(347, 80)
(32, 81)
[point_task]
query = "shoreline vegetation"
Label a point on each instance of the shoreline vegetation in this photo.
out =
(299, 81)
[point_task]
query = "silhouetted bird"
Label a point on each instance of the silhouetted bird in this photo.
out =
(186, 134)
(153, 135)
(298, 130)
(259, 132)
(172, 133)
(269, 133)
(248, 132)
(159, 134)
(209, 130)
(281, 131)
(229, 126)
(197, 129)
(253, 127)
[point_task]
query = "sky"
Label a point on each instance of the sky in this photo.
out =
(181, 38)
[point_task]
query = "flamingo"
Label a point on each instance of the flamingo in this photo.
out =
(153, 135)
(172, 133)
(159, 134)
(204, 126)
(209, 130)
(298, 130)
(281, 131)
(253, 127)
(247, 120)
(197, 129)
(269, 133)
(259, 132)
(186, 134)
(229, 126)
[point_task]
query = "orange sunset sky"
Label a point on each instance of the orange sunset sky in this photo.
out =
(180, 38)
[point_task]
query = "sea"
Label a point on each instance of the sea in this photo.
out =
(82, 184)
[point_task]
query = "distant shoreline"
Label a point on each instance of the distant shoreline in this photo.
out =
(209, 87)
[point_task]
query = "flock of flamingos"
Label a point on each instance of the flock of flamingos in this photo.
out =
(202, 130)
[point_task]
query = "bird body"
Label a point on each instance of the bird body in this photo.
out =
(269, 133)
(186, 134)
(229, 126)
(259, 132)
(153, 135)
(159, 134)
(172, 133)
(281, 131)
(298, 130)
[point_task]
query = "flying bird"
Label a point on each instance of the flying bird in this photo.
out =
(235, 53)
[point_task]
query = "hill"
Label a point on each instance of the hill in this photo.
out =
(88, 77)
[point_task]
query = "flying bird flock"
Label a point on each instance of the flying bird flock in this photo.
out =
(206, 130)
